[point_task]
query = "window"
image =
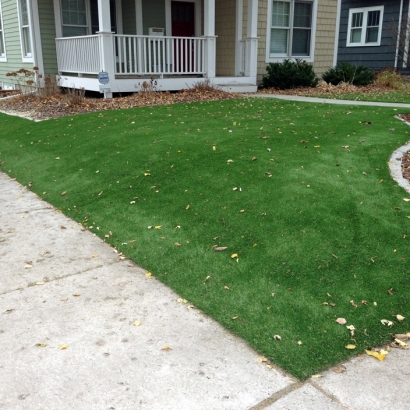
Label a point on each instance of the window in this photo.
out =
(291, 29)
(74, 18)
(365, 26)
(2, 42)
(25, 31)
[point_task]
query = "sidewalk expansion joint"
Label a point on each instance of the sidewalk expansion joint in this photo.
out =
(32, 284)
(277, 396)
(326, 393)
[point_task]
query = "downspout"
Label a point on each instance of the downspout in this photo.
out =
(406, 47)
(398, 34)
(337, 29)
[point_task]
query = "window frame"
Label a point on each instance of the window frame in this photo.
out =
(3, 55)
(87, 26)
(27, 57)
(365, 11)
(270, 57)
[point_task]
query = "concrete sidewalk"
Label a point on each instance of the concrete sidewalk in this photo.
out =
(68, 305)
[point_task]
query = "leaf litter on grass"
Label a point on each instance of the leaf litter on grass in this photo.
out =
(296, 230)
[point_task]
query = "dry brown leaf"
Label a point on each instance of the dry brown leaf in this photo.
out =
(341, 321)
(41, 344)
(339, 369)
(220, 248)
(166, 348)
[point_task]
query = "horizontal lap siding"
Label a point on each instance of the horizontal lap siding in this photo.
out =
(376, 57)
(325, 36)
(48, 35)
(12, 42)
(153, 14)
(129, 17)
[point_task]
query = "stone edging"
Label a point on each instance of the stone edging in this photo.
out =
(395, 164)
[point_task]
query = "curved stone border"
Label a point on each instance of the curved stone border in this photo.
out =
(395, 164)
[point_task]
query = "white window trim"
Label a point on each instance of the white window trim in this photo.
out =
(311, 57)
(365, 11)
(3, 57)
(29, 57)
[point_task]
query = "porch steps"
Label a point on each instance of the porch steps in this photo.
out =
(238, 88)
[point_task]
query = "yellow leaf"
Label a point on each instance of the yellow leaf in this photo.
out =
(377, 355)
(214, 147)
(234, 123)
(299, 342)
(41, 344)
(235, 317)
(261, 359)
(158, 227)
(316, 376)
(148, 274)
(350, 347)
(137, 323)
(146, 174)
(234, 189)
(277, 337)
(181, 300)
(406, 199)
(234, 255)
(400, 318)
(166, 348)
(187, 207)
(63, 346)
(28, 266)
(242, 210)
(94, 255)
(317, 146)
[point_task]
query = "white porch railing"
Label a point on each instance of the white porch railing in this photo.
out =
(79, 54)
(133, 55)
(146, 55)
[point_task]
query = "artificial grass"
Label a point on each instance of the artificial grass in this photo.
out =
(391, 96)
(320, 229)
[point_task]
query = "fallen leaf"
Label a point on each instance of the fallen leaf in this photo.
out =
(350, 347)
(399, 343)
(299, 342)
(148, 274)
(234, 317)
(181, 300)
(137, 323)
(379, 356)
(63, 346)
(64, 299)
(177, 244)
(261, 359)
(353, 304)
(41, 344)
(220, 248)
(158, 227)
(166, 348)
(234, 255)
(226, 287)
(62, 227)
(146, 174)
(316, 376)
(40, 283)
(400, 318)
(341, 321)
(277, 337)
(352, 329)
(28, 266)
(386, 322)
(94, 255)
(406, 199)
(76, 294)
(339, 369)
(390, 291)
(187, 207)
(63, 193)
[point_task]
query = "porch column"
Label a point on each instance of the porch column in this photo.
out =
(209, 34)
(106, 42)
(251, 53)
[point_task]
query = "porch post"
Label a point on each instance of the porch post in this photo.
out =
(209, 34)
(251, 54)
(106, 42)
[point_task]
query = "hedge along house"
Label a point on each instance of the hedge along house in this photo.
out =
(374, 33)
(176, 42)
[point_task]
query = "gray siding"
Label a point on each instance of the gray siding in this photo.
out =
(153, 14)
(129, 17)
(376, 57)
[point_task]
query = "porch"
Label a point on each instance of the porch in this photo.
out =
(173, 61)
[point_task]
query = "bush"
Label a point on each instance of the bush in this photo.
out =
(289, 74)
(390, 78)
(349, 73)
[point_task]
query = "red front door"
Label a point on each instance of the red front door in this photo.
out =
(183, 25)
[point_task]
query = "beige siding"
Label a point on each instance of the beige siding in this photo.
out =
(225, 23)
(48, 35)
(12, 40)
(325, 36)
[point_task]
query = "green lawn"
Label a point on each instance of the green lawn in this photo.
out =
(391, 96)
(300, 192)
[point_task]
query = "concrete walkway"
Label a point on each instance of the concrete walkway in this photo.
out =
(69, 306)
(328, 101)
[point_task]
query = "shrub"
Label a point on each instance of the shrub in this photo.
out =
(349, 73)
(390, 78)
(289, 74)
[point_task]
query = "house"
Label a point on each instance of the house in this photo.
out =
(374, 33)
(176, 42)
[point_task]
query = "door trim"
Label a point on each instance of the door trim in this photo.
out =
(198, 17)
